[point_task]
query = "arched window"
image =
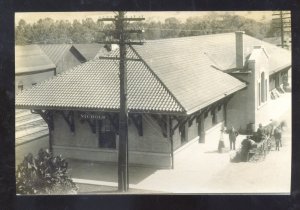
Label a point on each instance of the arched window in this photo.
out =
(263, 87)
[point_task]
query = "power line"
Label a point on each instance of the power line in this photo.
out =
(282, 24)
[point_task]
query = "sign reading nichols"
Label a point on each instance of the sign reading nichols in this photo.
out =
(92, 115)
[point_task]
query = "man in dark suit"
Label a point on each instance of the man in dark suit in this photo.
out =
(246, 146)
(232, 137)
(260, 134)
(277, 136)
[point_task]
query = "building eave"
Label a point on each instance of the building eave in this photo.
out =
(51, 68)
(193, 110)
(285, 67)
(86, 109)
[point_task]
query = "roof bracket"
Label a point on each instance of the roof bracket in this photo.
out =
(201, 112)
(180, 121)
(69, 118)
(114, 120)
(162, 122)
(138, 122)
(92, 124)
(192, 119)
(47, 117)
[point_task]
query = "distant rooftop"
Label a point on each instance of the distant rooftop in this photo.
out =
(89, 51)
(55, 51)
(30, 58)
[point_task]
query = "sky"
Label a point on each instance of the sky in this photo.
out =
(31, 17)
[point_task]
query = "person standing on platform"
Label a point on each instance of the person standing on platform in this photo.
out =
(277, 136)
(232, 137)
(260, 134)
(246, 146)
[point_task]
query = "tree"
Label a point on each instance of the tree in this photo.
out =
(23, 33)
(172, 28)
(43, 31)
(77, 32)
(44, 174)
(274, 30)
(89, 31)
(99, 36)
(153, 30)
(62, 32)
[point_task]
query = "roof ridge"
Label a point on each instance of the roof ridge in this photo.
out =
(54, 59)
(183, 37)
(158, 79)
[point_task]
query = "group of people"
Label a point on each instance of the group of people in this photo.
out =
(274, 130)
(261, 134)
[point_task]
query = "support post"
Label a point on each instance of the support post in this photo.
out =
(186, 131)
(201, 124)
(50, 123)
(225, 113)
(170, 138)
(48, 118)
(51, 141)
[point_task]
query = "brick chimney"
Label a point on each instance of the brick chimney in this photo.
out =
(239, 49)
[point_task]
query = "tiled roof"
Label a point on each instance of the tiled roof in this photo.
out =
(173, 77)
(89, 51)
(94, 85)
(182, 65)
(55, 51)
(31, 58)
(220, 49)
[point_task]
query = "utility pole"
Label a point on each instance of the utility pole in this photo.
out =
(283, 20)
(122, 39)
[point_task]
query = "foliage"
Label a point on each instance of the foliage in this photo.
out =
(44, 174)
(89, 31)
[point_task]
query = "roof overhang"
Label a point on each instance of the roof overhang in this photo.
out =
(223, 95)
(85, 109)
(283, 68)
(34, 70)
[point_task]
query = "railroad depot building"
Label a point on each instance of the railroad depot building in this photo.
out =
(180, 91)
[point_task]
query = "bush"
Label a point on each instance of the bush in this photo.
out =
(44, 174)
